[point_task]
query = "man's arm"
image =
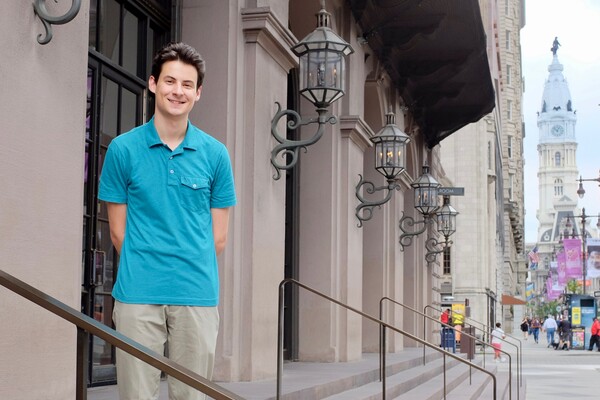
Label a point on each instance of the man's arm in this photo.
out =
(220, 221)
(117, 217)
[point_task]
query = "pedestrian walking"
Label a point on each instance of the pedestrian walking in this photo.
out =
(595, 339)
(497, 337)
(525, 327)
(564, 333)
(535, 328)
(549, 326)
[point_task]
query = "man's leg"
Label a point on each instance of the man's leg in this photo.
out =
(192, 341)
(145, 324)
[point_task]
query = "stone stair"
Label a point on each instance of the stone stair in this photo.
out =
(407, 379)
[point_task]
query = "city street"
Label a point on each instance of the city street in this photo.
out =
(557, 374)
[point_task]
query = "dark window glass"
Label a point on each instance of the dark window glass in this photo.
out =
(110, 18)
(110, 102)
(128, 110)
(130, 42)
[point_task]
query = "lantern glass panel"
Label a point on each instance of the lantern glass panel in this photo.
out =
(321, 73)
(426, 199)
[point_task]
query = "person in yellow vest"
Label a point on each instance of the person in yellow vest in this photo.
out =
(458, 320)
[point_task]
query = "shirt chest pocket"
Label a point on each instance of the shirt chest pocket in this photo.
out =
(195, 194)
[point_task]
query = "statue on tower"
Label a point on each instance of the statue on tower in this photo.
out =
(555, 45)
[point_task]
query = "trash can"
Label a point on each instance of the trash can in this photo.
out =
(578, 337)
(467, 343)
(448, 341)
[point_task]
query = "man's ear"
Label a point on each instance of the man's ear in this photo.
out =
(152, 84)
(198, 93)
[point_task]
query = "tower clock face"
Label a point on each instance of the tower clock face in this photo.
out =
(557, 130)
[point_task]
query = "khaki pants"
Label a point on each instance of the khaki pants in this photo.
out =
(190, 336)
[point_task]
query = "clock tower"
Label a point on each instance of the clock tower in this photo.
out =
(557, 150)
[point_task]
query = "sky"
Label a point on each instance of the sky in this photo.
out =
(576, 23)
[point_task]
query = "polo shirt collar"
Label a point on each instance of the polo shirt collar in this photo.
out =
(190, 141)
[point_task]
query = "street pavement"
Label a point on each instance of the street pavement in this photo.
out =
(558, 374)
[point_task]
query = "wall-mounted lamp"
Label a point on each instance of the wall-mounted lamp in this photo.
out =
(427, 191)
(39, 6)
(322, 74)
(390, 160)
(426, 202)
(581, 190)
(446, 225)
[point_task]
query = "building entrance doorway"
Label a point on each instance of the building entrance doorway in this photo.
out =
(122, 39)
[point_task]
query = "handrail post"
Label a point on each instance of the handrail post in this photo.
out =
(382, 351)
(82, 364)
(280, 321)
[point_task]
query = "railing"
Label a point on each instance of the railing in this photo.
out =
(85, 323)
(486, 333)
(425, 317)
(370, 318)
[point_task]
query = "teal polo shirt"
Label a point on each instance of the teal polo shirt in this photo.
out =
(168, 253)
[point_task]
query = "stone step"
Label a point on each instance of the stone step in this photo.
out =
(400, 382)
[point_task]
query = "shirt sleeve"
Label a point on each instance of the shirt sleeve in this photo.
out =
(113, 179)
(223, 187)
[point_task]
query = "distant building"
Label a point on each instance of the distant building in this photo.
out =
(558, 212)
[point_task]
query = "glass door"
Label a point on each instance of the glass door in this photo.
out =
(124, 35)
(114, 106)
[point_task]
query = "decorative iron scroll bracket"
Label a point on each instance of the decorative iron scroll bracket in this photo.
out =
(39, 6)
(431, 245)
(367, 206)
(292, 147)
(407, 224)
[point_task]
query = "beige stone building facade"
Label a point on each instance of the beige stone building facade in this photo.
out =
(488, 256)
(66, 99)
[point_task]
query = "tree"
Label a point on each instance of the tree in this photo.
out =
(574, 287)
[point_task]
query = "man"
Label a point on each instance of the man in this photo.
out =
(564, 333)
(549, 327)
(535, 328)
(595, 339)
(593, 262)
(168, 187)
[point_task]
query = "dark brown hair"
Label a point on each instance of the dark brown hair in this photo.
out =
(179, 52)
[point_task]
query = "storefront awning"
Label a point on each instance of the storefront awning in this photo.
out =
(435, 53)
(512, 301)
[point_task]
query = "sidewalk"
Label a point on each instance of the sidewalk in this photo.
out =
(549, 374)
(558, 374)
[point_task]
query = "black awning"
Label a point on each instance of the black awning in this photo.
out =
(435, 53)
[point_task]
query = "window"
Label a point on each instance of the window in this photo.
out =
(507, 40)
(558, 187)
(509, 146)
(557, 159)
(508, 73)
(447, 265)
(509, 107)
(511, 185)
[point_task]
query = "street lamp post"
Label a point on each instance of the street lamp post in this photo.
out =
(581, 190)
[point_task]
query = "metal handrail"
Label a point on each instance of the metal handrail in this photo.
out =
(481, 342)
(84, 322)
(369, 317)
(485, 332)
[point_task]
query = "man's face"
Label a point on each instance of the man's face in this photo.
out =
(175, 90)
(594, 259)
